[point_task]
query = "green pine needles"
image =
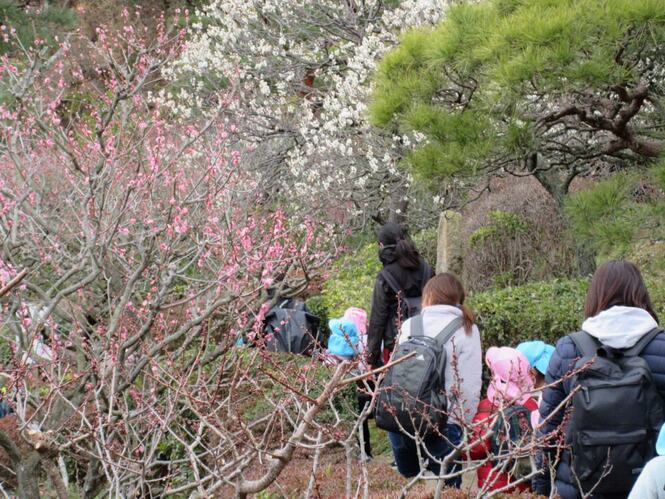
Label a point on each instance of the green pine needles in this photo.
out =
(554, 88)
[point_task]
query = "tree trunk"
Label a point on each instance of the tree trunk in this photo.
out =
(398, 207)
(27, 474)
(94, 480)
(586, 260)
(558, 189)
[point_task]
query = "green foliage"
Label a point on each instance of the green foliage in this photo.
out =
(316, 306)
(616, 213)
(43, 23)
(540, 310)
(502, 224)
(426, 241)
(6, 354)
(483, 85)
(302, 373)
(351, 281)
(560, 43)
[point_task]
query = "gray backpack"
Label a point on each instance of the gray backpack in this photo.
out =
(616, 415)
(412, 395)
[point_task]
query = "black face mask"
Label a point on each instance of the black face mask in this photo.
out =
(387, 254)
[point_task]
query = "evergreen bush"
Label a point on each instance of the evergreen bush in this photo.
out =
(539, 310)
(351, 282)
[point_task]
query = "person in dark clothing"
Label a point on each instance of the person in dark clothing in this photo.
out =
(401, 259)
(5, 410)
(618, 313)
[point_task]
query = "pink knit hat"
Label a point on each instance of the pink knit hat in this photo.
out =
(511, 380)
(359, 317)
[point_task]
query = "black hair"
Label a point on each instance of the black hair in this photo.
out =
(391, 234)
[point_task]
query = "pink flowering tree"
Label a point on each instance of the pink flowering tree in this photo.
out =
(134, 249)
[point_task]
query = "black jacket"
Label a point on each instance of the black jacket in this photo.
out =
(383, 316)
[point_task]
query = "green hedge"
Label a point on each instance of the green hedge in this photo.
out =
(350, 283)
(543, 310)
(540, 310)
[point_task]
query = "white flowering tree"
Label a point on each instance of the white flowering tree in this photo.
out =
(304, 68)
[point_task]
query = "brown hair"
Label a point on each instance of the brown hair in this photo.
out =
(617, 282)
(445, 289)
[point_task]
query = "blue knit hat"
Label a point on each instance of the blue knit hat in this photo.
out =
(539, 354)
(343, 338)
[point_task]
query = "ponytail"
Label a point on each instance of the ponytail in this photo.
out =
(468, 317)
(407, 254)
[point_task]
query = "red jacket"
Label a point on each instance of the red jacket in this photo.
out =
(481, 446)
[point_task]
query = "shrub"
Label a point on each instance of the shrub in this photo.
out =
(621, 212)
(512, 236)
(44, 23)
(316, 306)
(539, 310)
(426, 242)
(305, 375)
(351, 281)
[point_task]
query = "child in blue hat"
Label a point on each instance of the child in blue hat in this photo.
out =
(651, 482)
(343, 341)
(538, 353)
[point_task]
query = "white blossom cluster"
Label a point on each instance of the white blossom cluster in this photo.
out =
(301, 72)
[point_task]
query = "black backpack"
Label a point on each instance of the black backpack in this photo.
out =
(616, 415)
(412, 395)
(290, 327)
(408, 306)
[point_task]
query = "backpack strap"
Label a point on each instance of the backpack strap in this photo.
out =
(417, 327)
(636, 349)
(392, 282)
(585, 343)
(448, 331)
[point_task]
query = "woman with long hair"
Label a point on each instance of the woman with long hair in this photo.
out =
(404, 268)
(443, 302)
(620, 322)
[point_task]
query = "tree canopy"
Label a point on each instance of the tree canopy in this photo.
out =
(303, 72)
(552, 88)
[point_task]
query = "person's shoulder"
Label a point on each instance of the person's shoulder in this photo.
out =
(565, 348)
(657, 345)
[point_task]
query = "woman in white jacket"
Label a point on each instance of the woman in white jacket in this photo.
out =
(443, 301)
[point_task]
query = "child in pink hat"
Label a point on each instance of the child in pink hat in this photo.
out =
(511, 376)
(510, 384)
(359, 317)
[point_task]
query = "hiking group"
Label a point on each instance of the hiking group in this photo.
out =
(579, 419)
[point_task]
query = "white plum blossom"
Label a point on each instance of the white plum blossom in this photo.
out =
(302, 71)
